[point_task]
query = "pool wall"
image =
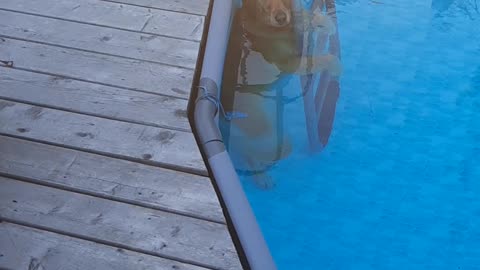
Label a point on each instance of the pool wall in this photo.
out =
(203, 115)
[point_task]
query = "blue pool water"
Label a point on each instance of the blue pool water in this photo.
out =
(398, 185)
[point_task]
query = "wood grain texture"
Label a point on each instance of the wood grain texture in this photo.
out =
(27, 248)
(154, 21)
(199, 7)
(99, 39)
(110, 178)
(94, 99)
(136, 228)
(162, 147)
(92, 128)
(110, 70)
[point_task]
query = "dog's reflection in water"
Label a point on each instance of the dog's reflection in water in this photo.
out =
(272, 34)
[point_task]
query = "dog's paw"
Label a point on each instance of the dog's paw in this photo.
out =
(317, 22)
(334, 66)
(321, 63)
(323, 24)
(329, 63)
(263, 181)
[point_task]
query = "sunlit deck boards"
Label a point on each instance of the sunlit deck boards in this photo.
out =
(98, 165)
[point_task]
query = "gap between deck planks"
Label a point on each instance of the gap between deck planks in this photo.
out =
(134, 18)
(110, 178)
(161, 147)
(149, 231)
(44, 250)
(104, 40)
(197, 7)
(94, 99)
(101, 69)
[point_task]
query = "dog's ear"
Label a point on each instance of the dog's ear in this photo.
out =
(289, 4)
(253, 4)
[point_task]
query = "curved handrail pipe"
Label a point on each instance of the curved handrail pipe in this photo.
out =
(205, 122)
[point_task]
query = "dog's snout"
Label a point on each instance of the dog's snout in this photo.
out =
(281, 17)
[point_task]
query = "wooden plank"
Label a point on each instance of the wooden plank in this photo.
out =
(92, 67)
(163, 147)
(115, 15)
(94, 99)
(110, 178)
(136, 228)
(27, 248)
(100, 39)
(199, 7)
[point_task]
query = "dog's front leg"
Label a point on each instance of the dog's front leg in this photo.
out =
(319, 63)
(315, 22)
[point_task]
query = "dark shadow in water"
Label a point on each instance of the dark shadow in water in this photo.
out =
(469, 8)
(471, 102)
(441, 5)
(471, 96)
(475, 89)
(476, 80)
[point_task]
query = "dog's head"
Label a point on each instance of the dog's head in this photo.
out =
(275, 13)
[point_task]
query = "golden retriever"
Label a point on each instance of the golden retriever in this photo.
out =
(270, 28)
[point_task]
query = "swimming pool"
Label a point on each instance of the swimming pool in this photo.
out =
(397, 186)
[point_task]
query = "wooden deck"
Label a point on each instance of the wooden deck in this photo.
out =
(98, 165)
